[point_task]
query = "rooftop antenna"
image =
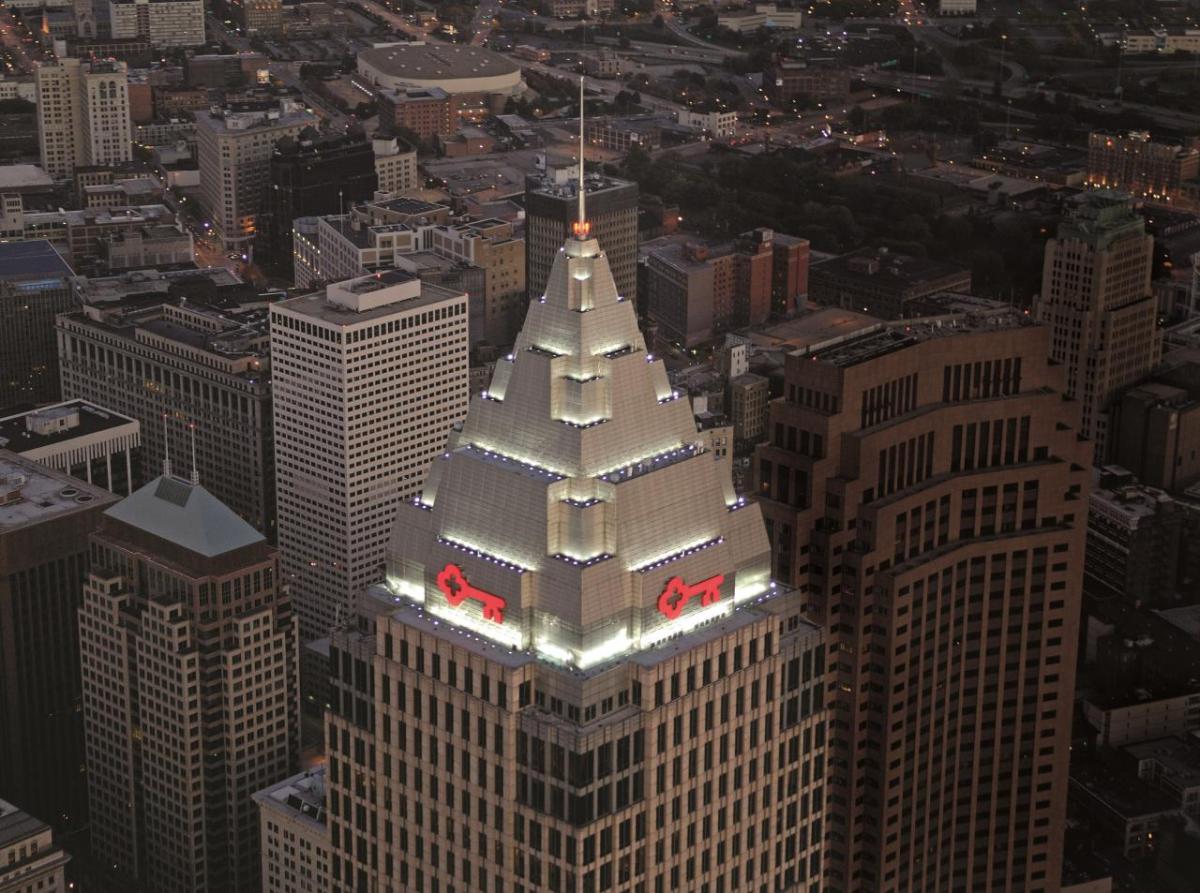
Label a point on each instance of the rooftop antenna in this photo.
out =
(166, 447)
(581, 227)
(195, 470)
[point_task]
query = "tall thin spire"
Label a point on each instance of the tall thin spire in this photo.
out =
(195, 468)
(166, 447)
(582, 226)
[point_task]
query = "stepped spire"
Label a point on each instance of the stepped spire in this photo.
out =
(582, 227)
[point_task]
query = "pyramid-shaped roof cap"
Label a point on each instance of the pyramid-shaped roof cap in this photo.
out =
(186, 515)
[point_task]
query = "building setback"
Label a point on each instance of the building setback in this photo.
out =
(1097, 301)
(198, 361)
(191, 699)
(45, 520)
(35, 286)
(925, 489)
(369, 377)
(550, 208)
(579, 675)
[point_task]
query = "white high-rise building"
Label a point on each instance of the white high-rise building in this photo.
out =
(83, 114)
(369, 377)
(579, 675)
(294, 839)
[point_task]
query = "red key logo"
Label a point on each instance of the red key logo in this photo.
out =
(455, 587)
(677, 594)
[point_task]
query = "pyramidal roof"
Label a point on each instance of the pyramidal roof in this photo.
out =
(578, 514)
(187, 515)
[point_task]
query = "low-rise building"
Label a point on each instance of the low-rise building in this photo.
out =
(1156, 425)
(81, 439)
(1172, 765)
(1134, 540)
(80, 235)
(295, 840)
(956, 7)
(1137, 164)
(759, 16)
(1121, 807)
(785, 80)
(426, 112)
(718, 123)
(1126, 717)
(883, 283)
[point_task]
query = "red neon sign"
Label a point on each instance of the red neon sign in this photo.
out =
(677, 594)
(457, 590)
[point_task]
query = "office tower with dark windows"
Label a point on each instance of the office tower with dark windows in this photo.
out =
(313, 174)
(370, 375)
(925, 488)
(186, 347)
(45, 520)
(550, 202)
(1097, 301)
(578, 675)
(190, 688)
(35, 286)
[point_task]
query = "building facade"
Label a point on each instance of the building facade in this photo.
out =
(258, 16)
(395, 165)
(369, 376)
(191, 699)
(312, 174)
(234, 151)
(1097, 301)
(165, 23)
(498, 311)
(83, 114)
(925, 489)
(45, 520)
(198, 364)
(35, 286)
(1142, 166)
(583, 677)
(550, 207)
(427, 112)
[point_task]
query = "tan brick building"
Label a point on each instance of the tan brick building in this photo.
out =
(925, 488)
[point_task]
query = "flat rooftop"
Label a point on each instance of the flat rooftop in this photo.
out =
(58, 424)
(437, 61)
(33, 259)
(31, 493)
(318, 306)
(302, 796)
(886, 338)
(884, 269)
(811, 328)
(24, 177)
(156, 285)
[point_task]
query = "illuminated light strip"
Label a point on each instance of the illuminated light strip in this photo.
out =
(581, 562)
(487, 395)
(686, 624)
(582, 503)
(641, 466)
(675, 556)
(423, 506)
(494, 454)
(618, 351)
(582, 425)
(405, 589)
(556, 653)
(605, 651)
(673, 396)
(546, 352)
(479, 553)
(510, 636)
(752, 588)
(740, 503)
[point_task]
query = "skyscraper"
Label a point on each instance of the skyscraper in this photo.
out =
(45, 519)
(925, 489)
(190, 688)
(35, 286)
(201, 359)
(550, 207)
(83, 114)
(313, 174)
(369, 376)
(1097, 301)
(579, 676)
